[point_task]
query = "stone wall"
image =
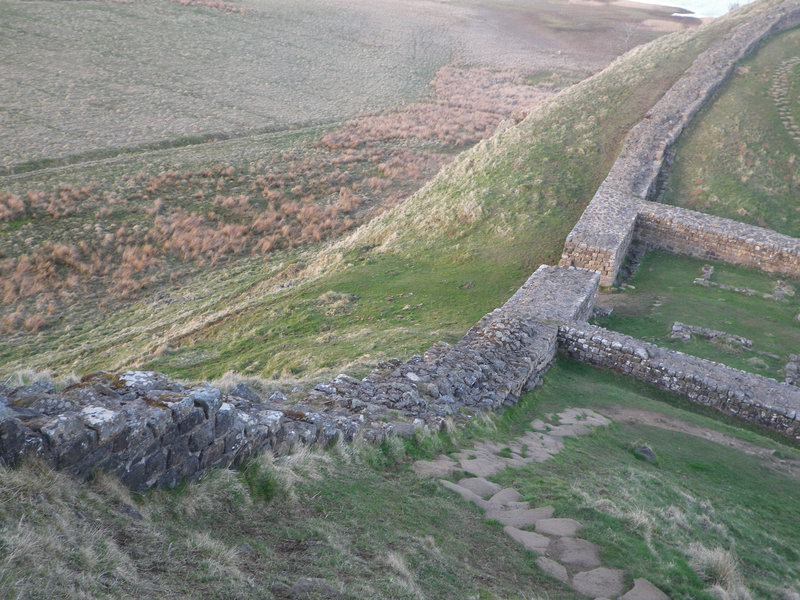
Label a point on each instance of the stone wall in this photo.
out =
(682, 231)
(743, 395)
(600, 239)
(150, 431)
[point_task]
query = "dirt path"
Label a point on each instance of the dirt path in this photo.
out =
(635, 415)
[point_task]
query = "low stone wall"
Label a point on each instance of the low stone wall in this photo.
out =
(743, 395)
(683, 231)
(150, 431)
(600, 239)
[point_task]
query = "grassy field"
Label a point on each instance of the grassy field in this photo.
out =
(659, 521)
(737, 159)
(502, 208)
(361, 520)
(85, 81)
(664, 293)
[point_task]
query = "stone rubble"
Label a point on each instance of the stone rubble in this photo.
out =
(681, 331)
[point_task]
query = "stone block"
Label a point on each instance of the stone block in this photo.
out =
(207, 398)
(201, 437)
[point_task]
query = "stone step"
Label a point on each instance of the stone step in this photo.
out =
(480, 486)
(576, 553)
(552, 568)
(520, 517)
(558, 527)
(644, 590)
(600, 582)
(528, 539)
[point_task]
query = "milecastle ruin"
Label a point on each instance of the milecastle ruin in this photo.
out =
(150, 431)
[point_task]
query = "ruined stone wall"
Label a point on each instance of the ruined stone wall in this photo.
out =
(681, 231)
(600, 239)
(737, 393)
(150, 431)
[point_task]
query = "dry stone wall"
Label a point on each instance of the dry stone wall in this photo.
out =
(150, 431)
(737, 393)
(682, 231)
(600, 239)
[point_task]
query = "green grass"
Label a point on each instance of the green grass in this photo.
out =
(664, 293)
(647, 516)
(736, 159)
(353, 517)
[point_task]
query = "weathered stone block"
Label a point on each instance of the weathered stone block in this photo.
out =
(201, 437)
(207, 398)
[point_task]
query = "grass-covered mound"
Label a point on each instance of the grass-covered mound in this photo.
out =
(738, 158)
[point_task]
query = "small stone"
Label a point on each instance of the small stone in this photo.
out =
(552, 568)
(558, 527)
(278, 398)
(645, 453)
(506, 496)
(528, 539)
(575, 553)
(106, 423)
(519, 517)
(644, 590)
(442, 466)
(599, 582)
(244, 392)
(480, 486)
(466, 494)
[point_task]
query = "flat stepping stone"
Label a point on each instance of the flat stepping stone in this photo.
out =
(528, 539)
(483, 467)
(466, 494)
(558, 527)
(583, 416)
(517, 517)
(576, 553)
(644, 590)
(569, 430)
(541, 446)
(600, 582)
(539, 425)
(552, 568)
(506, 496)
(480, 486)
(442, 466)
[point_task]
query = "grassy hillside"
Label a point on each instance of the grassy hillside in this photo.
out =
(460, 246)
(738, 159)
(358, 518)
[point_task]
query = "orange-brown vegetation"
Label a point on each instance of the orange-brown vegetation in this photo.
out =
(155, 227)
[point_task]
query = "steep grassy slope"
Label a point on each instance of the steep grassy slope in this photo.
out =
(738, 159)
(452, 252)
(460, 245)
